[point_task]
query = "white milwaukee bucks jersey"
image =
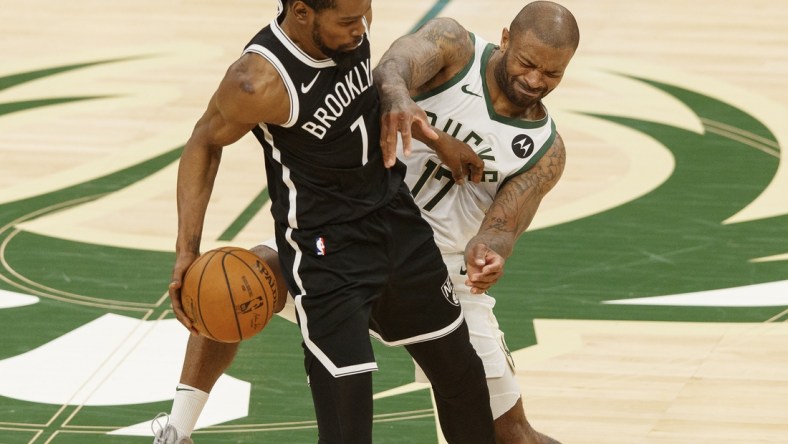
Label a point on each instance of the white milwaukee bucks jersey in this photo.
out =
(461, 107)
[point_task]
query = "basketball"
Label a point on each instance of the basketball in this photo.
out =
(229, 294)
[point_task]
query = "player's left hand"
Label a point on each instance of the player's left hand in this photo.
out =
(182, 262)
(484, 266)
(460, 158)
(398, 116)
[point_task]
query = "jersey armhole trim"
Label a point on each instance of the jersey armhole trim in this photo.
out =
(292, 92)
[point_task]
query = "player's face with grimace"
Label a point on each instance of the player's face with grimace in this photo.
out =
(530, 68)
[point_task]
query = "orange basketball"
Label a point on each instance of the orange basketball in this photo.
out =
(229, 294)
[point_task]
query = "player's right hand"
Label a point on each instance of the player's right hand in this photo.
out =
(182, 263)
(484, 267)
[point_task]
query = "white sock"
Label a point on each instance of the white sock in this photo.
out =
(186, 408)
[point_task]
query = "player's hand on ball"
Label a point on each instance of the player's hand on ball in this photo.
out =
(229, 294)
(182, 263)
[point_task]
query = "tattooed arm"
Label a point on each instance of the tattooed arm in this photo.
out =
(414, 63)
(509, 216)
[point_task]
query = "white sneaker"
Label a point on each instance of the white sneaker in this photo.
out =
(167, 434)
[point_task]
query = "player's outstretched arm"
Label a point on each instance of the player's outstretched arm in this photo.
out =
(414, 62)
(509, 216)
(250, 92)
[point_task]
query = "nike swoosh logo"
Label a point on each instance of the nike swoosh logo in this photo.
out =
(305, 88)
(463, 270)
(183, 389)
(466, 91)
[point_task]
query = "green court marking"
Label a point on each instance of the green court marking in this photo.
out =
(24, 77)
(246, 216)
(12, 107)
(669, 241)
(431, 14)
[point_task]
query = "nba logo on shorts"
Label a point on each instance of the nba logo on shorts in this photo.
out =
(320, 246)
(448, 292)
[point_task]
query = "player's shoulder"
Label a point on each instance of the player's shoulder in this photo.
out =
(253, 90)
(253, 74)
(554, 159)
(454, 42)
(448, 34)
(443, 25)
(558, 149)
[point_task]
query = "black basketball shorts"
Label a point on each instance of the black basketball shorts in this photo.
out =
(381, 275)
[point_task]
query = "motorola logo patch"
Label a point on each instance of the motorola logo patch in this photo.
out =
(523, 146)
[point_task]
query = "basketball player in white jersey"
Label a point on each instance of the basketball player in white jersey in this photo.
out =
(489, 97)
(521, 149)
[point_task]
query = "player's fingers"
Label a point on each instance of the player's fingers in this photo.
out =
(388, 140)
(389, 156)
(484, 278)
(480, 288)
(405, 133)
(480, 254)
(426, 128)
(476, 168)
(493, 266)
(183, 319)
(459, 174)
(174, 291)
(488, 277)
(177, 306)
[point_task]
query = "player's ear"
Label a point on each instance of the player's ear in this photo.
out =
(300, 11)
(504, 39)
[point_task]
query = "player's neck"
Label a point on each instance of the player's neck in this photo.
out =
(302, 37)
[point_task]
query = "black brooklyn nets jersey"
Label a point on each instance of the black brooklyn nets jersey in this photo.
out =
(324, 165)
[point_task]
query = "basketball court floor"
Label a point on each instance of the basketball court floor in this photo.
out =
(648, 303)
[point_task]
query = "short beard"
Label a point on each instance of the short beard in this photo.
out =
(503, 81)
(344, 59)
(506, 86)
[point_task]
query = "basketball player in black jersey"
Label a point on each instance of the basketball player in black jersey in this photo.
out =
(353, 249)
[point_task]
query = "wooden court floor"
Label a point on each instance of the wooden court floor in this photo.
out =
(647, 304)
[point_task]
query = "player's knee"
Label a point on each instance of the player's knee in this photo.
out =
(271, 258)
(452, 380)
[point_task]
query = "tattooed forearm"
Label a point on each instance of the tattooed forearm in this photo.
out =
(516, 202)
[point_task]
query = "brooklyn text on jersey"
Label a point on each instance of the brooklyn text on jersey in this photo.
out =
(358, 80)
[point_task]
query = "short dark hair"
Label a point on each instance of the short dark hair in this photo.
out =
(317, 5)
(550, 22)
